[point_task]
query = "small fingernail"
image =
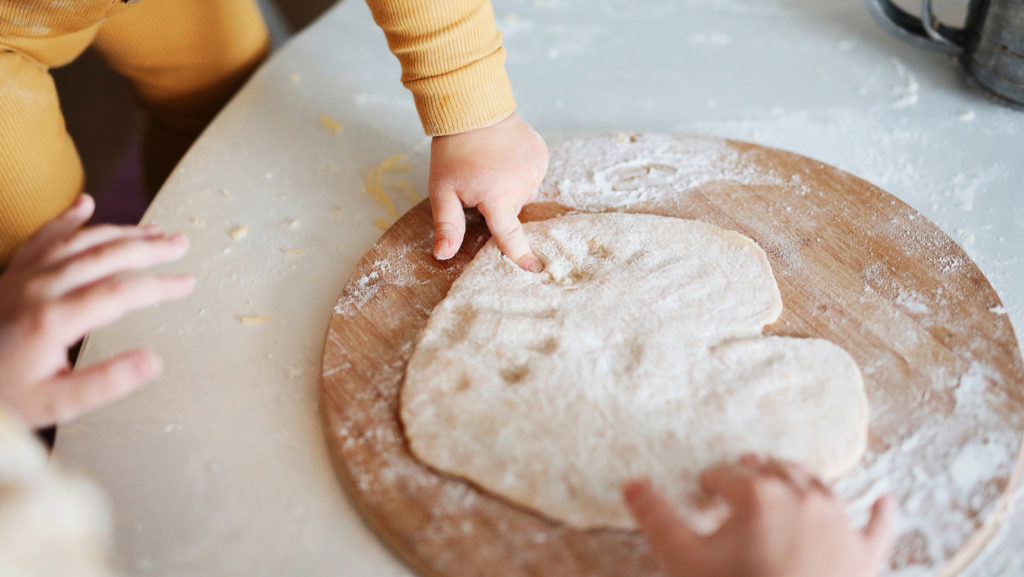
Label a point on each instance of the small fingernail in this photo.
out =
(79, 201)
(443, 249)
(531, 263)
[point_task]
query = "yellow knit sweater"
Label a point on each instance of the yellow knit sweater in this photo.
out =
(184, 59)
(450, 50)
(452, 60)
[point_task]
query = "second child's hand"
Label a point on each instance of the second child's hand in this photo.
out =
(784, 522)
(65, 282)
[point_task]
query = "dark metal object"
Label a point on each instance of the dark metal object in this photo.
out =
(990, 45)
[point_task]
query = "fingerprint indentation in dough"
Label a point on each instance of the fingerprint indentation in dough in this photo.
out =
(547, 346)
(636, 176)
(459, 329)
(513, 375)
(597, 249)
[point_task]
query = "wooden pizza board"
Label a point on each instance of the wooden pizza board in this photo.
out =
(854, 265)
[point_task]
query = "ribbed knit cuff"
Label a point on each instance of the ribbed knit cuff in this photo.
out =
(465, 99)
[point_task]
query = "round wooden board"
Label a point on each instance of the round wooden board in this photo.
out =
(854, 265)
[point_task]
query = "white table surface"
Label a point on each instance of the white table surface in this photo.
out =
(219, 467)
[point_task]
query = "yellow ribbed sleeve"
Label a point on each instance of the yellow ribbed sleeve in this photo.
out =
(452, 61)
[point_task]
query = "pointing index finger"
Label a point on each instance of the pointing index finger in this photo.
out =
(503, 222)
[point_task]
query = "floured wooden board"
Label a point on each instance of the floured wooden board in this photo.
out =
(855, 266)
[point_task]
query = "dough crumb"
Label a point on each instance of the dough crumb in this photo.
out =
(330, 124)
(292, 224)
(295, 251)
(375, 179)
(225, 193)
(239, 232)
(295, 78)
(197, 221)
(337, 211)
(253, 320)
(383, 224)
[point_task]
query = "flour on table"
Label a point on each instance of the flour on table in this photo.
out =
(636, 353)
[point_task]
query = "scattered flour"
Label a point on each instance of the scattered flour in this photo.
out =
(966, 187)
(972, 464)
(966, 237)
(906, 94)
(912, 301)
(712, 39)
(966, 116)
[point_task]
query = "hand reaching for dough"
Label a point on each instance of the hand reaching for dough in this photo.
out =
(61, 285)
(496, 169)
(784, 523)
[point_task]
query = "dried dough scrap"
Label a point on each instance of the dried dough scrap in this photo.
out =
(637, 353)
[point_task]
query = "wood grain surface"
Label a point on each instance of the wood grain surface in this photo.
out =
(854, 265)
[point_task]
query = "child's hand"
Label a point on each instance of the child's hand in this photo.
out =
(784, 523)
(496, 169)
(60, 286)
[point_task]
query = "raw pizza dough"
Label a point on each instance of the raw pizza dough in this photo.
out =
(636, 353)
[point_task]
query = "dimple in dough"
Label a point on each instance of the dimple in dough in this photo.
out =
(638, 352)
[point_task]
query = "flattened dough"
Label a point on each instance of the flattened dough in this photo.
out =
(636, 353)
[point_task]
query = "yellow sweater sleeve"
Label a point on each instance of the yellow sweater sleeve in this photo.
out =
(452, 61)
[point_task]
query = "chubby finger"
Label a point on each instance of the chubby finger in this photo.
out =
(792, 473)
(732, 482)
(93, 236)
(55, 231)
(71, 394)
(449, 222)
(672, 541)
(797, 475)
(503, 222)
(115, 257)
(878, 531)
(102, 303)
